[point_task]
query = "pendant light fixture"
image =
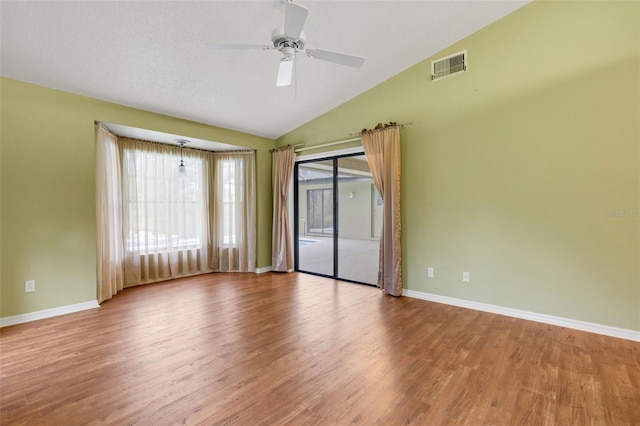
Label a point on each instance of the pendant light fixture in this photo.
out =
(182, 169)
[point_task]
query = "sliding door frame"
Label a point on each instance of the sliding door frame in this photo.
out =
(333, 157)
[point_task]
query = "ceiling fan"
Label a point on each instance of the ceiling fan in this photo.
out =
(290, 39)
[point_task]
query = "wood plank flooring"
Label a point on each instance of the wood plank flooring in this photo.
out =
(294, 349)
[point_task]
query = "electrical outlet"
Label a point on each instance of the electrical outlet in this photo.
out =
(29, 286)
(430, 272)
(466, 277)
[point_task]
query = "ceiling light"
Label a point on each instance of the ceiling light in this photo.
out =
(286, 67)
(182, 169)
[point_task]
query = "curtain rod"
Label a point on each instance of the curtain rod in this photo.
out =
(344, 140)
(408, 123)
(186, 148)
(285, 146)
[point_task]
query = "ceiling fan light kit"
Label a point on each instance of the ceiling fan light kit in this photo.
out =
(285, 71)
(289, 40)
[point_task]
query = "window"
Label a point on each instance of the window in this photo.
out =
(167, 224)
(163, 211)
(320, 211)
(234, 212)
(229, 201)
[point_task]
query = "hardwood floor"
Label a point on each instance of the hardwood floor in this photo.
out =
(294, 349)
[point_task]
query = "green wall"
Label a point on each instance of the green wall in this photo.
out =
(524, 170)
(48, 190)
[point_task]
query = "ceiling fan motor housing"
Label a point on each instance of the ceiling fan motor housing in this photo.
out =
(280, 40)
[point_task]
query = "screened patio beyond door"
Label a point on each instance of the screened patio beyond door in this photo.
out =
(336, 219)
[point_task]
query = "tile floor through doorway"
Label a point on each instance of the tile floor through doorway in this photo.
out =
(357, 259)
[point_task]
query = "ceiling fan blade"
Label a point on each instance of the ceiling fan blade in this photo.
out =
(294, 19)
(335, 57)
(231, 46)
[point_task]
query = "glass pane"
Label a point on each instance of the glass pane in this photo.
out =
(360, 221)
(163, 212)
(315, 217)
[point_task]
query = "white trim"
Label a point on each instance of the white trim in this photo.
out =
(606, 330)
(342, 170)
(264, 269)
(324, 145)
(335, 153)
(48, 313)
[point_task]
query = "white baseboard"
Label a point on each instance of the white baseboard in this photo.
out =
(606, 330)
(263, 269)
(48, 313)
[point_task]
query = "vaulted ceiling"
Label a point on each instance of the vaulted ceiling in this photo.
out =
(154, 55)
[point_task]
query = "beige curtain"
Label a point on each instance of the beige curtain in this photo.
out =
(382, 147)
(233, 212)
(110, 274)
(165, 213)
(282, 169)
(155, 223)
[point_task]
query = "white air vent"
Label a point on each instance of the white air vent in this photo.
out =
(444, 67)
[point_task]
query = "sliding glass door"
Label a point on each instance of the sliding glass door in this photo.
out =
(315, 218)
(336, 226)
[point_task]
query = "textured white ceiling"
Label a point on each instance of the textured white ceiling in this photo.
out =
(153, 55)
